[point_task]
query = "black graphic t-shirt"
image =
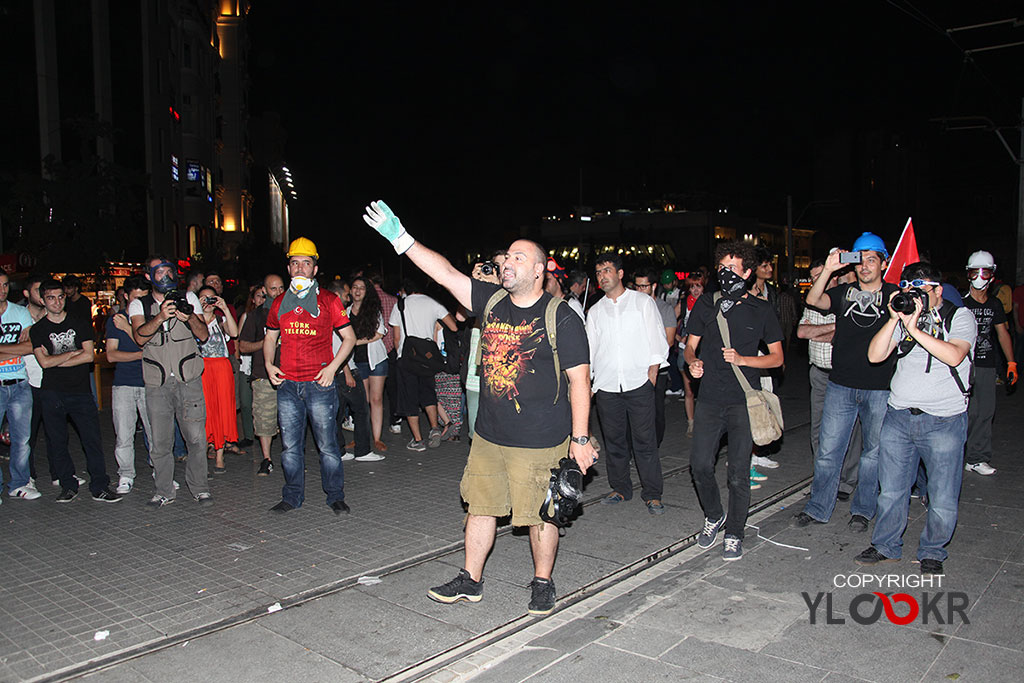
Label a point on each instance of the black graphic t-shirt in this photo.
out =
(859, 315)
(751, 320)
(988, 315)
(517, 384)
(57, 338)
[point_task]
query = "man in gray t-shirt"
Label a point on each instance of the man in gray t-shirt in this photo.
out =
(926, 418)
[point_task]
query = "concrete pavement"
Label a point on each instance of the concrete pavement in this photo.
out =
(185, 591)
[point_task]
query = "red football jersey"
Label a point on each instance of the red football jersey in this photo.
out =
(305, 340)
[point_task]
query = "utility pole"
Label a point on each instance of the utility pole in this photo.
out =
(1020, 200)
(789, 239)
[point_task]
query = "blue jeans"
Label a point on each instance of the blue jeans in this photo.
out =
(906, 440)
(16, 402)
(295, 402)
(842, 407)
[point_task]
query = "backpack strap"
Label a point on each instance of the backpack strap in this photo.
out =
(551, 325)
(491, 303)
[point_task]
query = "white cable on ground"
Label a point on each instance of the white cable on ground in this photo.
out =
(781, 545)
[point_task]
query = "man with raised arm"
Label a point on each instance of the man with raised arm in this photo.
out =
(534, 396)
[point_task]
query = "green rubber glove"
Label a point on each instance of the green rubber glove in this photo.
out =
(381, 218)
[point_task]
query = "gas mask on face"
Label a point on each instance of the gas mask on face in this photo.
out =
(300, 286)
(981, 282)
(732, 285)
(169, 280)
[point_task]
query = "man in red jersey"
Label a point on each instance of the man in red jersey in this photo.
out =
(304, 318)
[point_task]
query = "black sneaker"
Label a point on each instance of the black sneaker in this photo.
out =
(843, 496)
(858, 523)
(930, 566)
(106, 496)
(710, 532)
(266, 467)
(67, 495)
(803, 519)
(871, 557)
(543, 600)
(732, 548)
(282, 508)
(339, 507)
(462, 587)
(205, 498)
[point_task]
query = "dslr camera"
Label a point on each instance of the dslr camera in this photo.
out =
(489, 268)
(180, 301)
(903, 302)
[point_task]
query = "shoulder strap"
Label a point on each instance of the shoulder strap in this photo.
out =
(723, 327)
(551, 325)
(491, 303)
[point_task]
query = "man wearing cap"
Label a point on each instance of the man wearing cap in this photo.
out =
(304, 319)
(172, 372)
(856, 387)
(992, 327)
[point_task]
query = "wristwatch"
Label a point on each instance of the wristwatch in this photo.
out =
(581, 440)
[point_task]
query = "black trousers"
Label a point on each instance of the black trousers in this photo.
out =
(710, 422)
(359, 409)
(633, 409)
(81, 408)
(659, 404)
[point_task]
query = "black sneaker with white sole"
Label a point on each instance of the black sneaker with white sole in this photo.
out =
(542, 601)
(107, 495)
(67, 495)
(462, 587)
(932, 566)
(266, 467)
(710, 532)
(871, 557)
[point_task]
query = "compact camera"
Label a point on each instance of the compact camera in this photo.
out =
(903, 302)
(209, 300)
(180, 300)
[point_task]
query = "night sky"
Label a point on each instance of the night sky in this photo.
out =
(474, 118)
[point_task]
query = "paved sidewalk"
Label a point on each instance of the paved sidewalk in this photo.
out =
(169, 577)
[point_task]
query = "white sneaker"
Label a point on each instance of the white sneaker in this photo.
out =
(348, 425)
(26, 492)
(81, 482)
(124, 485)
(678, 392)
(347, 457)
(767, 463)
(982, 468)
(395, 429)
(176, 485)
(370, 457)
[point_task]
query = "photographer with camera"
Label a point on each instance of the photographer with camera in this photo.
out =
(165, 325)
(926, 417)
(856, 387)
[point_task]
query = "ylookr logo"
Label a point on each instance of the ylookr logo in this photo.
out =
(898, 608)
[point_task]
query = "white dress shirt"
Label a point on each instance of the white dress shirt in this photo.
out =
(626, 338)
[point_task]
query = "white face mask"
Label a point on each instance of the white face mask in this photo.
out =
(300, 286)
(980, 282)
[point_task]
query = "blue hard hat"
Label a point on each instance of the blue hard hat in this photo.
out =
(869, 241)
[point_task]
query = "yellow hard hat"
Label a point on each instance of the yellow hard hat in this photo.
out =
(302, 247)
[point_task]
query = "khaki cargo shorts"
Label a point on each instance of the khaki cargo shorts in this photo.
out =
(264, 408)
(500, 479)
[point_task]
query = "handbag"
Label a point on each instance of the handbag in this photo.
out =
(420, 357)
(763, 407)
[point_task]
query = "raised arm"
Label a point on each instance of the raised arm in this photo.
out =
(382, 219)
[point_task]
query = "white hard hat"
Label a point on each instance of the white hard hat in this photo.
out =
(981, 259)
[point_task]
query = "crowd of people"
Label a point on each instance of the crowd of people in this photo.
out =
(534, 362)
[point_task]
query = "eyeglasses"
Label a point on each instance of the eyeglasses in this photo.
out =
(986, 273)
(917, 283)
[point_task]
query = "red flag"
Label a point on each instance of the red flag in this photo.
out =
(905, 254)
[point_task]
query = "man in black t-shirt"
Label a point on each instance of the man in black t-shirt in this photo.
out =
(992, 328)
(63, 345)
(526, 407)
(856, 387)
(721, 406)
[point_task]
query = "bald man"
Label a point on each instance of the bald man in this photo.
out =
(527, 413)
